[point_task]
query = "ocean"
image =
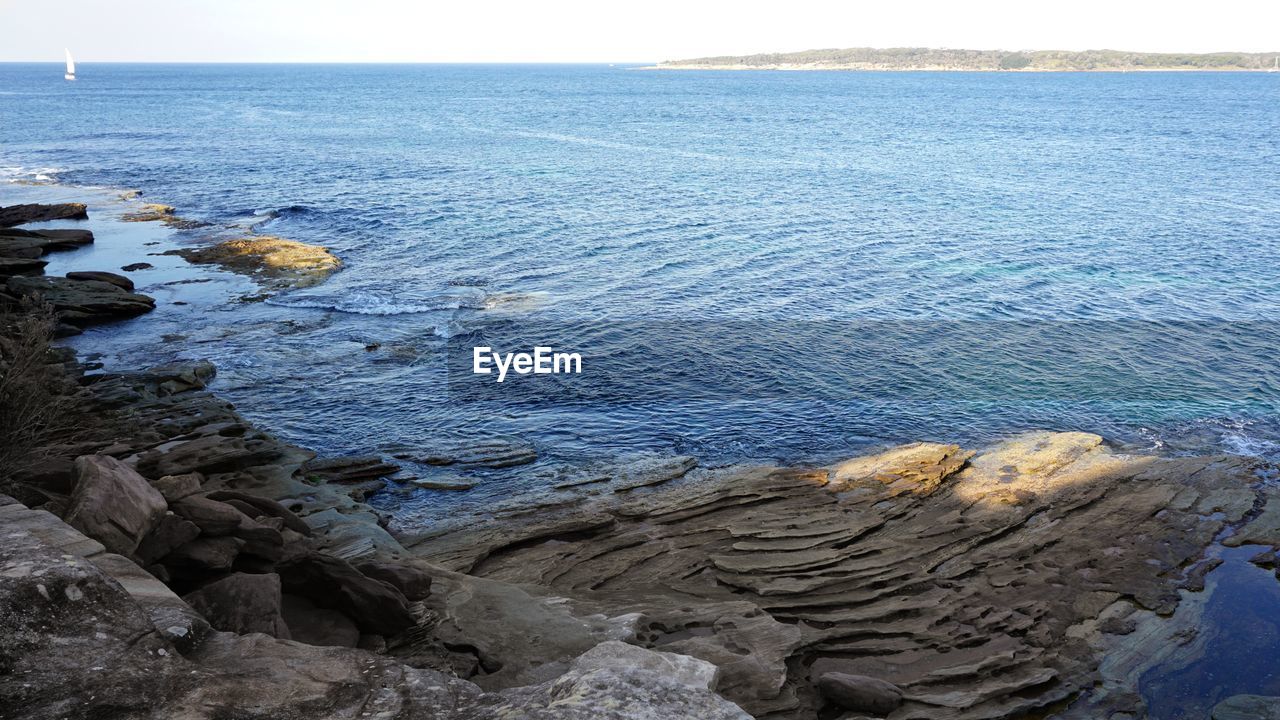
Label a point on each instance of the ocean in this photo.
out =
(781, 266)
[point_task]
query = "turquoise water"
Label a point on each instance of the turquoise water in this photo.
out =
(754, 265)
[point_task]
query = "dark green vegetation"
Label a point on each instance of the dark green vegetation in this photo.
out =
(948, 59)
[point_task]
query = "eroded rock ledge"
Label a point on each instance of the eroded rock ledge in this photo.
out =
(982, 585)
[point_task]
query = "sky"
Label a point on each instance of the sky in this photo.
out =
(607, 30)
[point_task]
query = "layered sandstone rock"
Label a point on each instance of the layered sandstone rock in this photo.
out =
(975, 583)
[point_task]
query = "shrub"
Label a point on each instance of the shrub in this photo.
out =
(35, 390)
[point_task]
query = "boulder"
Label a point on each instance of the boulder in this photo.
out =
(119, 281)
(177, 487)
(22, 214)
(616, 655)
(860, 693)
(375, 606)
(212, 517)
(622, 682)
(82, 301)
(170, 533)
(266, 506)
(414, 582)
(216, 553)
(318, 626)
(74, 642)
(242, 603)
(113, 504)
(134, 267)
(261, 541)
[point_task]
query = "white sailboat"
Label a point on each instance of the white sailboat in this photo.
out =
(1275, 67)
(71, 66)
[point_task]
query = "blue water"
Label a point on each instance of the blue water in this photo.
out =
(920, 220)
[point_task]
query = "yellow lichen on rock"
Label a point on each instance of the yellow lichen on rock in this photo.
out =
(276, 261)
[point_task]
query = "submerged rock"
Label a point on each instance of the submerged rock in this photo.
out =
(1248, 707)
(167, 214)
(348, 469)
(494, 452)
(448, 484)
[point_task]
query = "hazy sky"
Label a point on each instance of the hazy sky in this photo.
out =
(607, 30)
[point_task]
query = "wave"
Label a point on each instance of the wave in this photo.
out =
(21, 174)
(289, 211)
(386, 302)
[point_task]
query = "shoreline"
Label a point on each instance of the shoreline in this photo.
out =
(774, 578)
(936, 69)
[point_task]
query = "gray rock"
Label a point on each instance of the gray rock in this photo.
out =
(617, 655)
(242, 603)
(74, 638)
(623, 683)
(113, 504)
(860, 693)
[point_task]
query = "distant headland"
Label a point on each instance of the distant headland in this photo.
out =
(945, 59)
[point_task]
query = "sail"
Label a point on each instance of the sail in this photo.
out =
(71, 64)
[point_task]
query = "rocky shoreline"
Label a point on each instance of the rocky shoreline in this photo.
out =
(164, 558)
